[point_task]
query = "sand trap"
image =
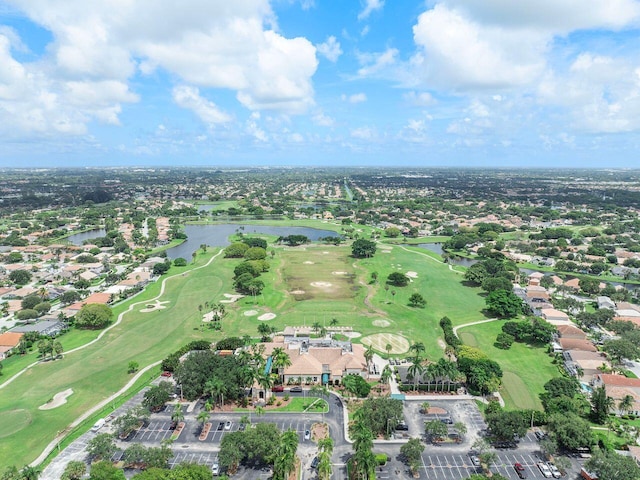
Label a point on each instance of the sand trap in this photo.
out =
(267, 316)
(325, 253)
(308, 262)
(250, 313)
(58, 399)
(151, 307)
(298, 292)
(321, 284)
(379, 341)
(352, 334)
(412, 274)
(381, 323)
(231, 298)
(385, 247)
(340, 273)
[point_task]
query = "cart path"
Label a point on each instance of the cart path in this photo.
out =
(455, 329)
(118, 321)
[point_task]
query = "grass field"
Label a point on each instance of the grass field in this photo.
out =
(313, 283)
(526, 369)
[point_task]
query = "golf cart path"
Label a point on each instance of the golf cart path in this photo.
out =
(49, 448)
(428, 256)
(117, 322)
(455, 329)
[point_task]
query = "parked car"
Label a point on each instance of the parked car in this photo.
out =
(277, 388)
(295, 389)
(215, 469)
(220, 426)
(475, 460)
(307, 434)
(227, 426)
(539, 434)
(402, 426)
(544, 469)
(166, 374)
(554, 470)
(314, 462)
(241, 427)
(446, 420)
(520, 470)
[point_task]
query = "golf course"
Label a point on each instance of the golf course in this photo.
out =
(306, 285)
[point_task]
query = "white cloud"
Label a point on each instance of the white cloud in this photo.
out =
(420, 99)
(370, 7)
(377, 62)
(189, 97)
(480, 44)
(330, 49)
(323, 120)
(363, 133)
(601, 93)
(107, 44)
(355, 98)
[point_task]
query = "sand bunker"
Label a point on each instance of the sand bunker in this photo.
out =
(340, 273)
(412, 274)
(308, 262)
(385, 247)
(231, 298)
(298, 292)
(379, 341)
(321, 284)
(250, 313)
(267, 316)
(57, 400)
(352, 334)
(151, 307)
(381, 323)
(325, 253)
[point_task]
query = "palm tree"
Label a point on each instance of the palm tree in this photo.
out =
(388, 348)
(460, 429)
(415, 370)
(333, 322)
(424, 407)
(316, 326)
(29, 473)
(385, 376)
(215, 388)
(368, 355)
(177, 415)
(203, 417)
(626, 404)
(265, 380)
(281, 360)
(417, 348)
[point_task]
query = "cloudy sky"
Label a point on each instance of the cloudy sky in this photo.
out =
(320, 82)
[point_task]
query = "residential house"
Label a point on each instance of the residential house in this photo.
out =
(618, 387)
(555, 317)
(577, 344)
(9, 341)
(571, 331)
(585, 365)
(605, 302)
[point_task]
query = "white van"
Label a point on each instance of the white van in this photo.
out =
(98, 425)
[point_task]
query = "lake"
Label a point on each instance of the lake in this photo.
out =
(218, 236)
(437, 248)
(79, 238)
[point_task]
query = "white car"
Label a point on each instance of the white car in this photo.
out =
(546, 472)
(215, 469)
(554, 470)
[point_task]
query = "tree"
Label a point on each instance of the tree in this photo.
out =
(132, 367)
(362, 248)
(415, 371)
(417, 300)
(157, 396)
(502, 303)
(412, 453)
(74, 470)
(398, 279)
(20, 277)
(265, 331)
(104, 470)
(101, 447)
(93, 316)
(620, 349)
(590, 286)
(610, 465)
(29, 473)
(626, 404)
(177, 415)
(357, 385)
(506, 425)
(30, 302)
(601, 405)
(436, 429)
(570, 431)
(285, 455)
(180, 262)
(504, 341)
(70, 296)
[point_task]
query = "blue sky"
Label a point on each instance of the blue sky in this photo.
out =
(527, 83)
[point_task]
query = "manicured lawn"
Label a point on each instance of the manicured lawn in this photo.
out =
(297, 405)
(526, 369)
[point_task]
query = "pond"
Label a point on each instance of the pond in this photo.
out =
(79, 238)
(218, 236)
(437, 248)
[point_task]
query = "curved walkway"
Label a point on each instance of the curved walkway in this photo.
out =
(49, 448)
(118, 321)
(455, 329)
(429, 257)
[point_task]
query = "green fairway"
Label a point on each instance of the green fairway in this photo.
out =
(305, 285)
(12, 421)
(526, 369)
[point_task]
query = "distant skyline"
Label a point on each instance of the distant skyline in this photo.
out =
(436, 83)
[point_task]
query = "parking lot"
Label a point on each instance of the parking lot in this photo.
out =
(459, 466)
(158, 429)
